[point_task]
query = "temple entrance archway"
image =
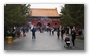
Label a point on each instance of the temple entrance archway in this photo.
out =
(39, 24)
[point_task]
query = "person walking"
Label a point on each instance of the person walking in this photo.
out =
(58, 33)
(62, 32)
(52, 31)
(33, 33)
(67, 30)
(24, 34)
(73, 37)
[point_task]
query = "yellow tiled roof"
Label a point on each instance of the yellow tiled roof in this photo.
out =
(44, 12)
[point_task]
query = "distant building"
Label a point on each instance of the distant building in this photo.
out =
(44, 17)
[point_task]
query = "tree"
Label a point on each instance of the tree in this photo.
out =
(15, 14)
(73, 15)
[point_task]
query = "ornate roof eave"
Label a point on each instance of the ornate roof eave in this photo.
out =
(45, 16)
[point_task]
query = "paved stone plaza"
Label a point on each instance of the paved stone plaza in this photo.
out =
(43, 41)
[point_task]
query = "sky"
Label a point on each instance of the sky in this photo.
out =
(58, 6)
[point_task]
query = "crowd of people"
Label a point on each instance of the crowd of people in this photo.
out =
(16, 32)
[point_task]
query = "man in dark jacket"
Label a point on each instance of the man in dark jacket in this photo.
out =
(62, 32)
(73, 37)
(24, 31)
(58, 32)
(33, 33)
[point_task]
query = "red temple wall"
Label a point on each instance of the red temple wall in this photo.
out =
(43, 22)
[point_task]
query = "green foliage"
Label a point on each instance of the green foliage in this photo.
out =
(15, 14)
(73, 15)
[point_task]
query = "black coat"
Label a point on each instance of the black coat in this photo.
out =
(62, 31)
(73, 35)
